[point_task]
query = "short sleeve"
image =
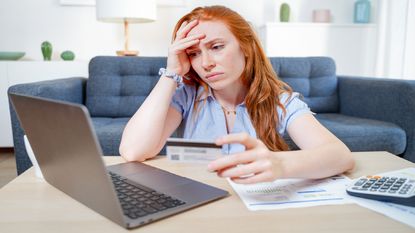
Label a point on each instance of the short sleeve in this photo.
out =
(183, 98)
(294, 106)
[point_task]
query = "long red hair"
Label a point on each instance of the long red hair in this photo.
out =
(264, 87)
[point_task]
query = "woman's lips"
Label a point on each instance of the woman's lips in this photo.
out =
(213, 75)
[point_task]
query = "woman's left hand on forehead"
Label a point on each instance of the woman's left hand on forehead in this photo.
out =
(256, 164)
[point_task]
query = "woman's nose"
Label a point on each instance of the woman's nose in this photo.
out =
(207, 61)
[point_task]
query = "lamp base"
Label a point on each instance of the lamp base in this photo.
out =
(127, 53)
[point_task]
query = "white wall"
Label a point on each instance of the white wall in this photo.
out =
(25, 24)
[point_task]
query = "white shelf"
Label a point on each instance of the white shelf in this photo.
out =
(310, 24)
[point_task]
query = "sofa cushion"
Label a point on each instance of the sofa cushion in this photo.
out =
(314, 77)
(361, 134)
(109, 131)
(118, 86)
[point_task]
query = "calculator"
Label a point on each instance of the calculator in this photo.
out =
(395, 189)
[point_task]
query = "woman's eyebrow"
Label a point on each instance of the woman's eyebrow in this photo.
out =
(213, 41)
(205, 43)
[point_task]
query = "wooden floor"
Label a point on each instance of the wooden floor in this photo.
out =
(7, 166)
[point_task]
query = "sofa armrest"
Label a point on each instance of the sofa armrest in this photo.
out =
(391, 100)
(69, 89)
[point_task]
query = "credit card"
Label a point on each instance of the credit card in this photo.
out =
(192, 151)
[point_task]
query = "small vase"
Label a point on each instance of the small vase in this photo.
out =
(67, 55)
(284, 12)
(321, 16)
(46, 50)
(362, 11)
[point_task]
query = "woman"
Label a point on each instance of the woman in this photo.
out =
(232, 95)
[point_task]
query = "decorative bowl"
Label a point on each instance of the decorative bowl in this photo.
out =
(11, 56)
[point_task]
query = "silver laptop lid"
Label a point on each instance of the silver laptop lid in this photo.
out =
(68, 152)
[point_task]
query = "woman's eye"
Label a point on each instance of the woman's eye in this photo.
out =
(217, 47)
(193, 54)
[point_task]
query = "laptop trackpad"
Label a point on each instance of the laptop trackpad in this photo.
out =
(158, 179)
(148, 176)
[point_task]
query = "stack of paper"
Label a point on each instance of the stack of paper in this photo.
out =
(293, 193)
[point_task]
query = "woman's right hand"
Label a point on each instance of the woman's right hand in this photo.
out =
(177, 60)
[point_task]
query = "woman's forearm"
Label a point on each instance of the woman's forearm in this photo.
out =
(141, 136)
(327, 160)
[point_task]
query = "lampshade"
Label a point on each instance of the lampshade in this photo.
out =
(126, 11)
(132, 11)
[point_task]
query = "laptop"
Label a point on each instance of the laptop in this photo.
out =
(130, 194)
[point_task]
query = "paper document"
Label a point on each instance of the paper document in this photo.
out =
(401, 213)
(293, 193)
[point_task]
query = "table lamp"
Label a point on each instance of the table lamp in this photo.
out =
(126, 11)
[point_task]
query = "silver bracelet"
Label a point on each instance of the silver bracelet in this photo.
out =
(177, 78)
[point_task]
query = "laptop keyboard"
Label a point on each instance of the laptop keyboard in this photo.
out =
(138, 201)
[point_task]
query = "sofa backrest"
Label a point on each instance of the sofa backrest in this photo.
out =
(117, 86)
(314, 77)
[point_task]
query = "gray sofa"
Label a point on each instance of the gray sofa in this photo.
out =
(367, 114)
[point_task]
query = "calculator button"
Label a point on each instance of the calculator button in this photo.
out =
(360, 182)
(385, 186)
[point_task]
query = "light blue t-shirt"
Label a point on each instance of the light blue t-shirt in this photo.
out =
(210, 122)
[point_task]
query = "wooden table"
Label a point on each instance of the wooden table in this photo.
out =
(29, 204)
